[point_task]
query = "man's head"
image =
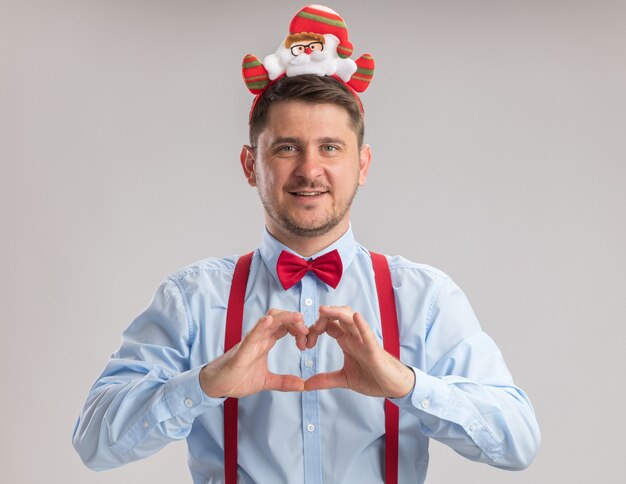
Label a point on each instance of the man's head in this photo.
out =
(306, 157)
(311, 89)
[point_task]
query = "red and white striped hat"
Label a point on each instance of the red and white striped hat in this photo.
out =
(322, 20)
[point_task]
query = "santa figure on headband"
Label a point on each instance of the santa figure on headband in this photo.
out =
(317, 44)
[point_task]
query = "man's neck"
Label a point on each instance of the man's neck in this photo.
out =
(307, 246)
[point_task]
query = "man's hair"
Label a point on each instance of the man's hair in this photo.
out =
(308, 88)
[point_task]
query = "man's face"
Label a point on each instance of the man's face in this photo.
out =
(307, 168)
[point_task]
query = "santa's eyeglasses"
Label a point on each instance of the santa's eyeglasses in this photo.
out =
(301, 48)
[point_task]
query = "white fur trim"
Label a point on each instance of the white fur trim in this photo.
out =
(324, 9)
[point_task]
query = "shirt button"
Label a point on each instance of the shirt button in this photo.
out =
(425, 403)
(145, 424)
(308, 301)
(188, 402)
(308, 363)
(473, 428)
(310, 427)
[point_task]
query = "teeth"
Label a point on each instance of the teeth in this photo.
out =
(307, 194)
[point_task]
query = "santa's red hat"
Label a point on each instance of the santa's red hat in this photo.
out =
(322, 20)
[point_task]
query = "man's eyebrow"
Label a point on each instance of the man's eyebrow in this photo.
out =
(286, 139)
(331, 141)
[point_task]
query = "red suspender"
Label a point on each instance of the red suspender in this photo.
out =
(234, 323)
(391, 343)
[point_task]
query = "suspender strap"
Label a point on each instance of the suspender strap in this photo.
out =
(391, 343)
(234, 323)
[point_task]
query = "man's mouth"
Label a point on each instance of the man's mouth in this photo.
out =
(307, 194)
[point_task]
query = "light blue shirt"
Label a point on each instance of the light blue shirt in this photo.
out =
(149, 393)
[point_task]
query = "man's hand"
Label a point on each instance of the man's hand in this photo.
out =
(242, 370)
(367, 367)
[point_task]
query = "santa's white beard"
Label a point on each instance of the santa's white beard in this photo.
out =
(302, 59)
(319, 63)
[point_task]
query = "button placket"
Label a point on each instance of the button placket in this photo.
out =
(309, 309)
(308, 298)
(310, 422)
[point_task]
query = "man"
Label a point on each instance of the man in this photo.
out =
(311, 383)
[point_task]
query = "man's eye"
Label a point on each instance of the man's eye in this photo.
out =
(329, 148)
(287, 148)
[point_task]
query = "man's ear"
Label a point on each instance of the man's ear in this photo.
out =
(365, 158)
(247, 163)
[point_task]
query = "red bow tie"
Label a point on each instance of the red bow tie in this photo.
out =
(291, 268)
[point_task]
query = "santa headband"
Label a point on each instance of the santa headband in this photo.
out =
(317, 44)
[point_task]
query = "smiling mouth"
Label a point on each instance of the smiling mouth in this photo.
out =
(307, 194)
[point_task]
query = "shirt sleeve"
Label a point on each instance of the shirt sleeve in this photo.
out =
(147, 395)
(465, 396)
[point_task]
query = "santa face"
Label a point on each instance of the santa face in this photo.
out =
(306, 56)
(303, 54)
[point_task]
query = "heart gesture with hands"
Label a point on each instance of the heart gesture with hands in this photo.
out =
(368, 368)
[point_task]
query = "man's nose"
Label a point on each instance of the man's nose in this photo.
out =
(308, 50)
(310, 167)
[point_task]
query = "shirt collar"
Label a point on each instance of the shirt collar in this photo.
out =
(271, 248)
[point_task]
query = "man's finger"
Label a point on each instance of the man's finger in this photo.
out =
(299, 331)
(342, 314)
(272, 327)
(364, 329)
(311, 338)
(332, 315)
(291, 321)
(261, 330)
(350, 329)
(316, 329)
(323, 381)
(284, 322)
(334, 329)
(301, 339)
(328, 314)
(283, 383)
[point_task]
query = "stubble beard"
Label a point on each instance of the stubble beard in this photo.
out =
(315, 229)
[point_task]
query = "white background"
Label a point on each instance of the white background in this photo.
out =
(498, 133)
